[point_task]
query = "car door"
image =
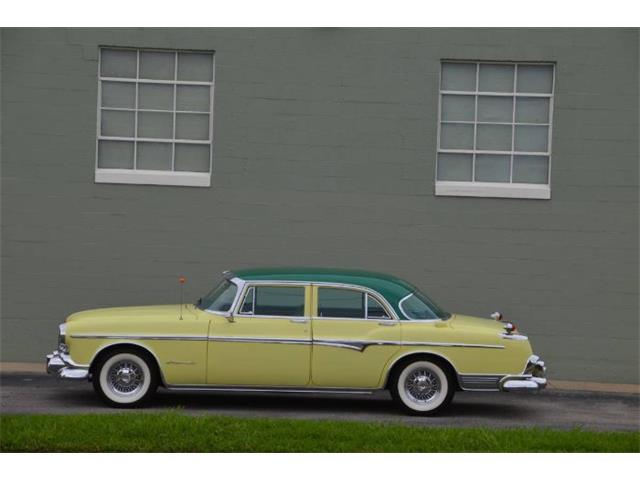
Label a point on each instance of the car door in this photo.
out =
(354, 336)
(266, 342)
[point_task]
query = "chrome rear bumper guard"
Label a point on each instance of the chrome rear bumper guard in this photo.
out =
(533, 377)
(60, 364)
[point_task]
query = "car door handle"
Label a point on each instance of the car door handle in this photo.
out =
(299, 320)
(388, 323)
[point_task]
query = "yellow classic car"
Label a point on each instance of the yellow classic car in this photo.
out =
(302, 330)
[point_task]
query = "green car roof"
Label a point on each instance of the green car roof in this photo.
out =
(392, 288)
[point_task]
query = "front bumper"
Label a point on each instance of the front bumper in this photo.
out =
(60, 364)
(533, 378)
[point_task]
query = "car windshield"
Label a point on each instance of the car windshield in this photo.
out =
(220, 298)
(418, 306)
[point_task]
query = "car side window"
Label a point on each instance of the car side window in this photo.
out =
(375, 309)
(274, 301)
(340, 303)
(249, 301)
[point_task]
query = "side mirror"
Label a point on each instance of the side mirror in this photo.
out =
(496, 316)
(229, 317)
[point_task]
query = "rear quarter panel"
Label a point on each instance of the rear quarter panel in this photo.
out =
(473, 351)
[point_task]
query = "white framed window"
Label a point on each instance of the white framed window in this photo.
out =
(494, 129)
(155, 117)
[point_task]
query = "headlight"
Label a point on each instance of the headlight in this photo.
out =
(62, 345)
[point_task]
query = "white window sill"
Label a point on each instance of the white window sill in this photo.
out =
(493, 190)
(152, 177)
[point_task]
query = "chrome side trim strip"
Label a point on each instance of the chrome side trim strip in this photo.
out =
(142, 337)
(445, 344)
(295, 341)
(238, 388)
(358, 345)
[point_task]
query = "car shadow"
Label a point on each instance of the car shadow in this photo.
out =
(286, 405)
(293, 405)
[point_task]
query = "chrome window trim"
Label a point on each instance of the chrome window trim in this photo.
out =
(247, 285)
(408, 318)
(239, 284)
(366, 291)
(383, 301)
(273, 317)
(377, 299)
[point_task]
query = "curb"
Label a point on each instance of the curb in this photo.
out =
(568, 385)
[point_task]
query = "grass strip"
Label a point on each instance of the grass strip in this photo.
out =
(176, 432)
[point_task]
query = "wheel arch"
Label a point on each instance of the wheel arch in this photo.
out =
(409, 356)
(105, 349)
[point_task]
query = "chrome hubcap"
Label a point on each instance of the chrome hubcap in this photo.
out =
(125, 377)
(422, 385)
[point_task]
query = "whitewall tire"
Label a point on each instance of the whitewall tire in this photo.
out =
(125, 379)
(422, 387)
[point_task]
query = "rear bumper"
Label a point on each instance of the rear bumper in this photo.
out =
(533, 378)
(60, 364)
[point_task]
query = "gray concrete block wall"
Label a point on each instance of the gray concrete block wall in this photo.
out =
(324, 154)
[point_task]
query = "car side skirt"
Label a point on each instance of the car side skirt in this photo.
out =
(241, 388)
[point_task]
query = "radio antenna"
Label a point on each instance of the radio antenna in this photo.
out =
(181, 281)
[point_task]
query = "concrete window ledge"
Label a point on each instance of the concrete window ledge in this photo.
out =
(493, 190)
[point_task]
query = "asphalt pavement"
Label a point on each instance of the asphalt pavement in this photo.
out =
(28, 393)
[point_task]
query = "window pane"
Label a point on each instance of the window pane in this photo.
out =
(193, 98)
(192, 126)
(495, 109)
(155, 97)
(247, 305)
(280, 301)
(220, 298)
(155, 125)
(192, 158)
(531, 138)
(530, 169)
(459, 76)
(118, 95)
(456, 136)
(494, 137)
(374, 309)
(458, 107)
(454, 167)
(117, 124)
(118, 63)
(535, 78)
(113, 154)
(153, 156)
(495, 78)
(195, 67)
(493, 168)
(157, 65)
(532, 110)
(340, 303)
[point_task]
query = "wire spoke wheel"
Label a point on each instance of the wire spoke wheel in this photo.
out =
(125, 377)
(422, 385)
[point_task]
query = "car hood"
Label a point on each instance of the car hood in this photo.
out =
(142, 313)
